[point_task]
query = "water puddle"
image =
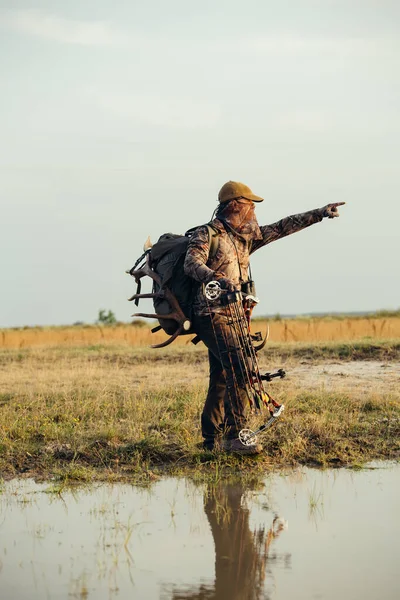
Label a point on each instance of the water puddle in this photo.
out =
(304, 535)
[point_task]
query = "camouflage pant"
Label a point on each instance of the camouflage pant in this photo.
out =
(227, 398)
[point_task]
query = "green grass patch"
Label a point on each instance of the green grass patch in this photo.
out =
(115, 414)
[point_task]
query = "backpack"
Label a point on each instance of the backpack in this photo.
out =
(172, 291)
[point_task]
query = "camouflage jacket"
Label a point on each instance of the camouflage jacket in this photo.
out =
(232, 257)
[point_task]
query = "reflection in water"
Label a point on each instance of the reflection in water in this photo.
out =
(242, 555)
(181, 541)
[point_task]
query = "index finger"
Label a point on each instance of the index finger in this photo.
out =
(338, 203)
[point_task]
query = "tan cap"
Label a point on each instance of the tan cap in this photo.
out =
(235, 189)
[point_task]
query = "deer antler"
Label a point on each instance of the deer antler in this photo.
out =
(177, 314)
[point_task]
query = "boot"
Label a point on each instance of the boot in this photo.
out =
(235, 446)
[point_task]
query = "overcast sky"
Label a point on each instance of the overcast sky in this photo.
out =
(123, 118)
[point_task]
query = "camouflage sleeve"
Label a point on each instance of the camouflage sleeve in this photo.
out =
(197, 256)
(286, 226)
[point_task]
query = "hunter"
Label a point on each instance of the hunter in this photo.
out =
(239, 235)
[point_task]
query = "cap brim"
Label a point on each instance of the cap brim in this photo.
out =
(254, 198)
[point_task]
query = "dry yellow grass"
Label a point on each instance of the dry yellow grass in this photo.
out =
(285, 330)
(329, 330)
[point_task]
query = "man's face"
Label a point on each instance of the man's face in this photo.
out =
(246, 208)
(239, 211)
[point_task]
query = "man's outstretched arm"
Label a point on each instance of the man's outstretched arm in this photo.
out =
(294, 223)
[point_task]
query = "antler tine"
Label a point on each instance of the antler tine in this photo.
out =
(170, 339)
(135, 296)
(262, 345)
(148, 244)
(146, 270)
(173, 316)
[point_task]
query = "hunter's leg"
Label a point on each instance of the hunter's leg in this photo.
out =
(212, 418)
(216, 334)
(237, 374)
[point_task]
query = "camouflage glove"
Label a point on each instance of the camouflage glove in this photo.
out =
(226, 284)
(330, 210)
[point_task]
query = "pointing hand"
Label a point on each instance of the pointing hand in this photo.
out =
(331, 211)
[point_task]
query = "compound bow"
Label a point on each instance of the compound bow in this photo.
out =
(238, 310)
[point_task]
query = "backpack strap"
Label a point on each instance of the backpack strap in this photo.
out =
(213, 235)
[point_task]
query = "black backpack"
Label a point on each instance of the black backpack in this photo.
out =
(173, 291)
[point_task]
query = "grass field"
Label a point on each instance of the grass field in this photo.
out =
(114, 412)
(322, 329)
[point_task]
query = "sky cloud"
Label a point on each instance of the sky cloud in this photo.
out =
(304, 120)
(59, 29)
(172, 111)
(294, 45)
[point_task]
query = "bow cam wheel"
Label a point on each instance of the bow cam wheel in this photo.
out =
(247, 437)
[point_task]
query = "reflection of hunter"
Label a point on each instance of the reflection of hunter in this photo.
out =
(239, 236)
(241, 555)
